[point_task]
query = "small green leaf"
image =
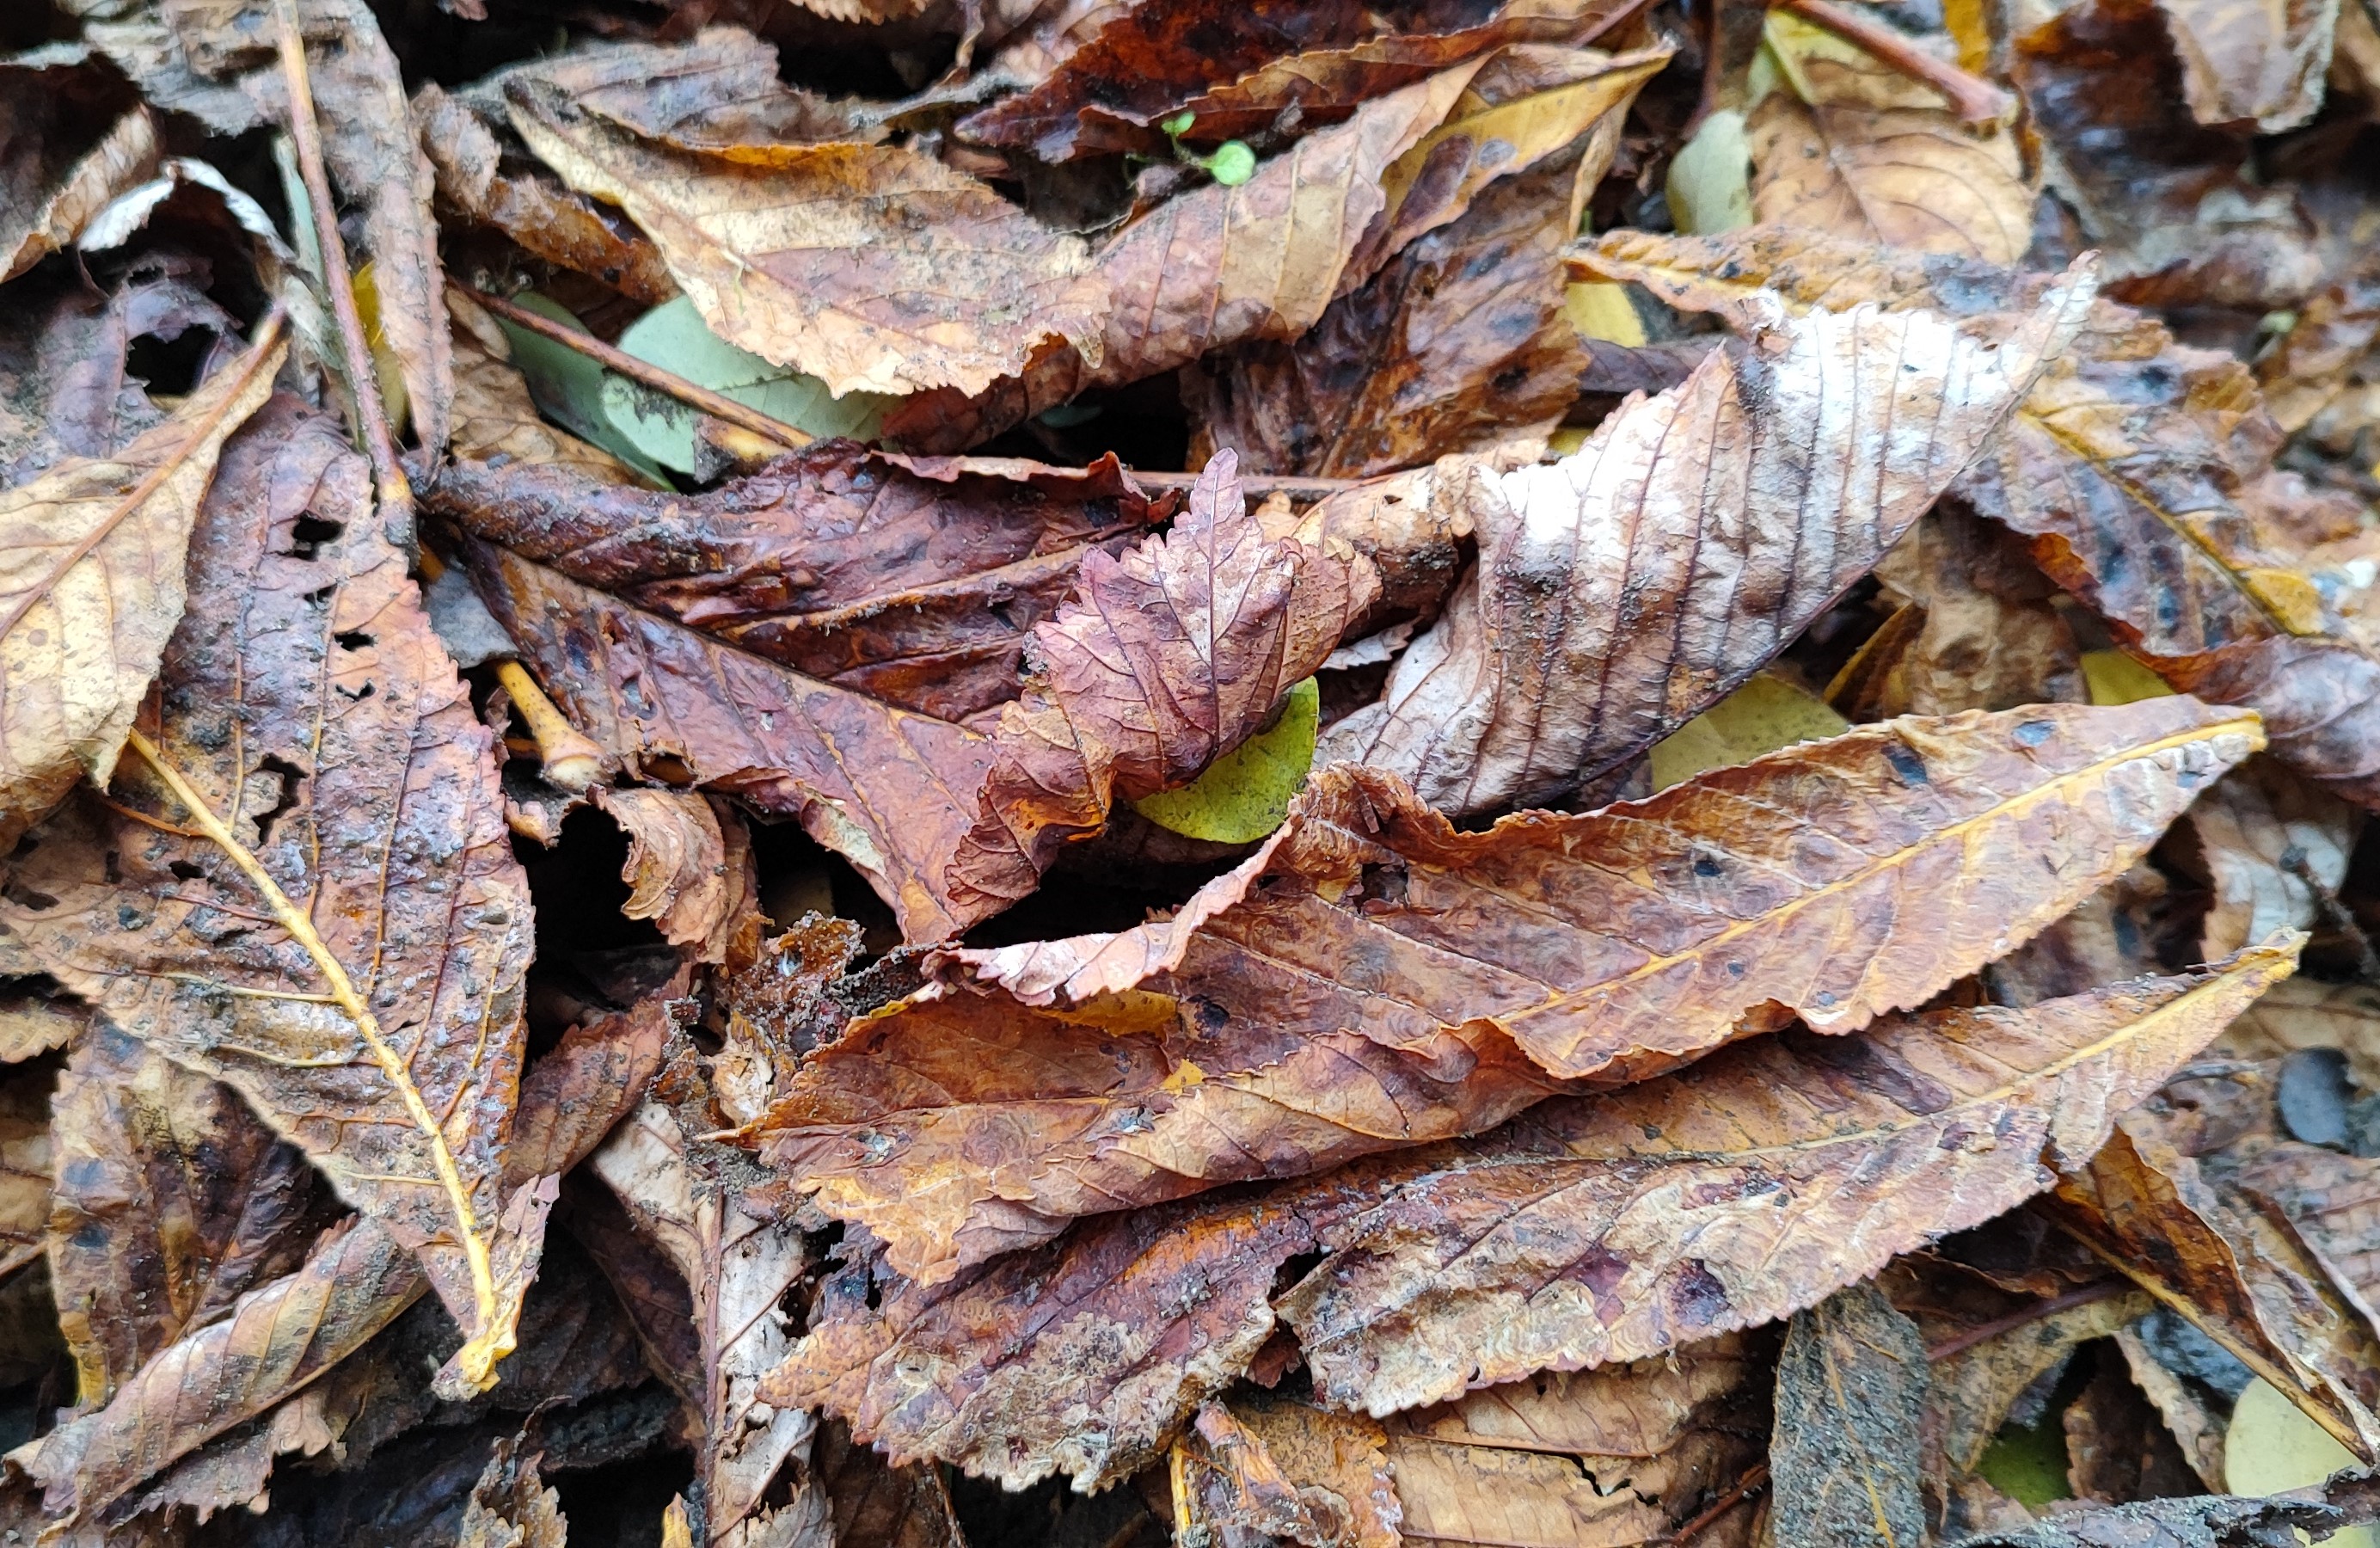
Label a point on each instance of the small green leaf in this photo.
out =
(1764, 715)
(567, 387)
(1179, 123)
(1245, 794)
(673, 336)
(1233, 163)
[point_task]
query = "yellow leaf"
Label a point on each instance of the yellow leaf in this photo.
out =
(1764, 715)
(1245, 794)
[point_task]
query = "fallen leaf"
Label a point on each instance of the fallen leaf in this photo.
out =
(690, 870)
(2276, 849)
(2251, 63)
(94, 586)
(510, 1505)
(872, 1502)
(172, 1201)
(28, 1164)
(2117, 1445)
(2313, 364)
(1374, 979)
(871, 267)
(1684, 544)
(2307, 1013)
(1851, 1395)
(68, 155)
(1767, 713)
(495, 418)
(1287, 1471)
(1986, 635)
(1973, 1389)
(1224, 266)
(280, 1337)
(1849, 146)
(2205, 1521)
(1245, 794)
(376, 1021)
(1602, 1229)
(1168, 656)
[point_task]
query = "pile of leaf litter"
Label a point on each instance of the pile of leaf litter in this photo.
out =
(916, 773)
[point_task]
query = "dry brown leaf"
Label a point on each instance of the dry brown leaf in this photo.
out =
(94, 586)
(2252, 64)
(1265, 1471)
(2117, 1445)
(281, 1337)
(172, 1201)
(1220, 266)
(34, 1024)
(871, 267)
(510, 1505)
(690, 870)
(2141, 469)
(1851, 1397)
(1848, 146)
(1626, 588)
(1457, 345)
(1373, 978)
(739, 1265)
(1168, 656)
(56, 173)
(2314, 364)
(28, 1164)
(2307, 1013)
(2180, 211)
(1984, 636)
(315, 744)
(1974, 1386)
(2276, 849)
(1601, 1229)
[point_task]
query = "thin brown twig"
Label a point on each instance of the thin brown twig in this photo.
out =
(1976, 100)
(1959, 1343)
(1755, 1477)
(718, 406)
(395, 492)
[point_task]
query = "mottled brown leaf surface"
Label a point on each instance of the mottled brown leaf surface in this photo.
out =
(93, 585)
(871, 1501)
(1374, 978)
(1168, 655)
(1851, 1396)
(1281, 1471)
(307, 705)
(279, 1338)
(1219, 266)
(172, 1201)
(1623, 589)
(2141, 468)
(1849, 146)
(2202, 1521)
(690, 870)
(872, 267)
(1594, 1230)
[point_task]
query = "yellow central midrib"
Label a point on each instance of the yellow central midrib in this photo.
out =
(480, 1354)
(1939, 837)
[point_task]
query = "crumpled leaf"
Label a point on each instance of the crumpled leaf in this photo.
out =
(2276, 849)
(281, 1337)
(172, 1201)
(872, 267)
(1168, 655)
(315, 744)
(510, 1507)
(1460, 342)
(1227, 265)
(95, 585)
(690, 870)
(1977, 630)
(739, 1266)
(1601, 1229)
(2175, 207)
(1852, 147)
(871, 579)
(1625, 588)
(70, 150)
(218, 64)
(2142, 470)
(2252, 63)
(2312, 365)
(1851, 1396)
(1458, 973)
(1283, 1470)
(2198, 1521)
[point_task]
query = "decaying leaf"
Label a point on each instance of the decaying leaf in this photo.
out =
(1848, 146)
(1235, 1486)
(496, 418)
(1170, 655)
(28, 1164)
(94, 586)
(510, 1505)
(871, 267)
(2204, 1521)
(2276, 849)
(871, 1503)
(2255, 64)
(70, 150)
(1683, 545)
(1373, 978)
(690, 870)
(324, 911)
(1851, 1395)
(1593, 1230)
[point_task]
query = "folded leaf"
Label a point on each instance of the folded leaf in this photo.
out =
(874, 268)
(321, 907)
(1288, 1471)
(1373, 978)
(93, 585)
(69, 152)
(1596, 1229)
(1623, 589)
(1171, 654)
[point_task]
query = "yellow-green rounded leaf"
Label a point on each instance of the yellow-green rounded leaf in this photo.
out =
(1245, 794)
(2272, 1447)
(1764, 715)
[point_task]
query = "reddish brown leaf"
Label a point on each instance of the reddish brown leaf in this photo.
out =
(1171, 654)
(1599, 1229)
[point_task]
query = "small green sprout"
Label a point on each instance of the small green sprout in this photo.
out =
(1233, 162)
